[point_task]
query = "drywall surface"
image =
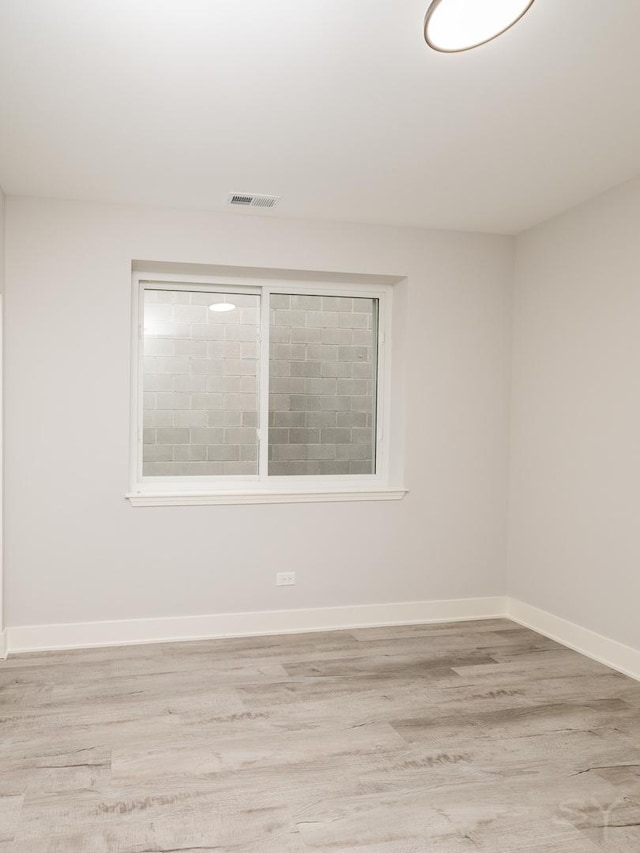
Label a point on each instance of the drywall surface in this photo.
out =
(76, 550)
(2, 239)
(574, 544)
(2, 254)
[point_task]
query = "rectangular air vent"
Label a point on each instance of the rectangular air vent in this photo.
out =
(253, 200)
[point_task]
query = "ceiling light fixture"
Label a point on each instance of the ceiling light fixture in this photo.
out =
(222, 306)
(452, 26)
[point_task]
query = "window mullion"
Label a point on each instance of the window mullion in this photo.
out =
(382, 388)
(263, 413)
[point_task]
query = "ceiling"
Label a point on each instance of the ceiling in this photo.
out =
(338, 106)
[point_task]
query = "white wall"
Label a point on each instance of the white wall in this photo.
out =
(574, 546)
(77, 551)
(2, 254)
(2, 216)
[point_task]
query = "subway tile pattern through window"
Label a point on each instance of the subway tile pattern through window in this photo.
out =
(322, 401)
(200, 384)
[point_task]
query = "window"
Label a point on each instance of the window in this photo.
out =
(252, 391)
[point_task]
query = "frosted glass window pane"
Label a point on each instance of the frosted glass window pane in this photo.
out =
(200, 383)
(322, 401)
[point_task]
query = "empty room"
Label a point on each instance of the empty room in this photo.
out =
(321, 426)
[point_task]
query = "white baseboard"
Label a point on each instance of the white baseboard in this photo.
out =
(29, 638)
(613, 654)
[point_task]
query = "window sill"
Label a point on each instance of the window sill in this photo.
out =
(219, 498)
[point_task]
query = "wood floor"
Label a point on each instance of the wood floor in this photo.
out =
(477, 736)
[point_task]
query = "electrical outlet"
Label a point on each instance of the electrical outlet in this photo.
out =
(285, 578)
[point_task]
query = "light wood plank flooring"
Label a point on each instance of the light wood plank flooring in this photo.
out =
(477, 736)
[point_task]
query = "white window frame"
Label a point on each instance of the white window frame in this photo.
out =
(262, 487)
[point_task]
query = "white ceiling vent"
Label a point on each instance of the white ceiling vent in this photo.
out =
(252, 200)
